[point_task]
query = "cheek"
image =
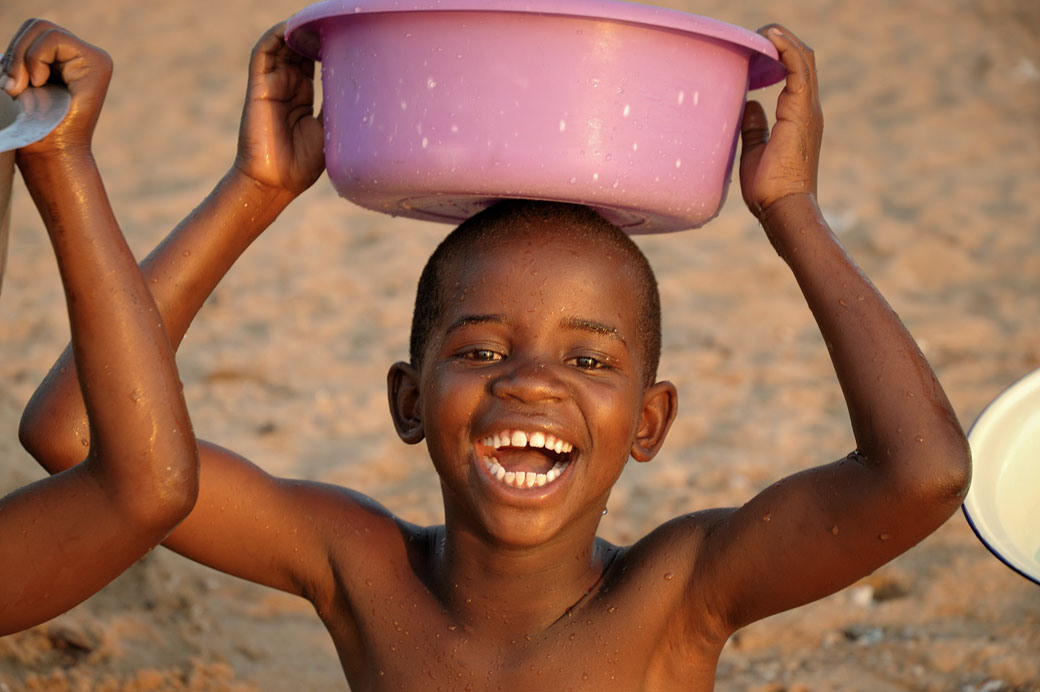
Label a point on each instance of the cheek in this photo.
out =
(615, 418)
(449, 403)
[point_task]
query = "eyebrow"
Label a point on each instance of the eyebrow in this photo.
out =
(571, 323)
(467, 320)
(593, 327)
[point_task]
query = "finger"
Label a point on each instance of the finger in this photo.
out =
(754, 128)
(8, 56)
(57, 54)
(754, 134)
(796, 56)
(14, 58)
(267, 47)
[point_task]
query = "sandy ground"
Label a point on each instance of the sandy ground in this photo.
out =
(931, 175)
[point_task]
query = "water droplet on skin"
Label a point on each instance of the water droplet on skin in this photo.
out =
(844, 303)
(604, 511)
(834, 530)
(668, 576)
(768, 517)
(584, 676)
(919, 438)
(884, 537)
(84, 441)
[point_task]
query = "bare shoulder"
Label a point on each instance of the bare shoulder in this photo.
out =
(666, 574)
(676, 544)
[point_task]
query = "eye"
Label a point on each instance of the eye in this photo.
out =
(480, 355)
(588, 363)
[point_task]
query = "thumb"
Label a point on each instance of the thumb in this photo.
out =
(754, 134)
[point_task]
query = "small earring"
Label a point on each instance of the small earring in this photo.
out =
(604, 511)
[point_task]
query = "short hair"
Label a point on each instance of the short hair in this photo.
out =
(506, 218)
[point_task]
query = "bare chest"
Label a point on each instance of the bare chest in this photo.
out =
(404, 643)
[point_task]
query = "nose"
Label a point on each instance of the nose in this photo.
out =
(529, 381)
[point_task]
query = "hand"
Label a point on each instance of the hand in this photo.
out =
(40, 52)
(280, 140)
(787, 161)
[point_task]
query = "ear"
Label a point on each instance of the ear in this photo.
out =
(402, 388)
(660, 403)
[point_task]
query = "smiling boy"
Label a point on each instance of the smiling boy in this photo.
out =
(532, 382)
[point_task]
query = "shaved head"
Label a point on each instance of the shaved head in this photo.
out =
(512, 218)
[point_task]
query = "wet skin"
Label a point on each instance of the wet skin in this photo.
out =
(515, 592)
(539, 335)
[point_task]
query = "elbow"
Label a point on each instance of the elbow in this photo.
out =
(177, 490)
(947, 478)
(156, 503)
(36, 434)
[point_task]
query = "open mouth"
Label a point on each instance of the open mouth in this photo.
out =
(522, 459)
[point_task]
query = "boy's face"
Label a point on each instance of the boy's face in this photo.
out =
(531, 394)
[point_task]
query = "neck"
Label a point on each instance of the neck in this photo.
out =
(523, 589)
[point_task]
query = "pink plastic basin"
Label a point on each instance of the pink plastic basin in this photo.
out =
(435, 109)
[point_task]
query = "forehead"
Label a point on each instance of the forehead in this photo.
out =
(543, 267)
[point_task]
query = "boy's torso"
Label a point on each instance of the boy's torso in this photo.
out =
(631, 632)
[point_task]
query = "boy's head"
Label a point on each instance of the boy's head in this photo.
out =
(512, 217)
(535, 343)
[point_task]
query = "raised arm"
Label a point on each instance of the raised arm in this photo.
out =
(243, 515)
(820, 530)
(280, 156)
(64, 537)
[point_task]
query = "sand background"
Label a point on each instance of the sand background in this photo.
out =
(930, 174)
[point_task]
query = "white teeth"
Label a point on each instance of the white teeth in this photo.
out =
(519, 438)
(522, 479)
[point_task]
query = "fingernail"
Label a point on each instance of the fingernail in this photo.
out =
(775, 32)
